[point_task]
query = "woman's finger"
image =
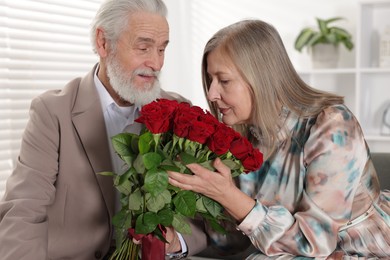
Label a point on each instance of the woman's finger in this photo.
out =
(221, 167)
(175, 182)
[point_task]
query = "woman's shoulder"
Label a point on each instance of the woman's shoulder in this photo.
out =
(336, 113)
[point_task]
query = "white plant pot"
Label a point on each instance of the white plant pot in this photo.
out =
(325, 55)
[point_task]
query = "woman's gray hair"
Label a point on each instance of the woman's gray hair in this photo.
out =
(113, 17)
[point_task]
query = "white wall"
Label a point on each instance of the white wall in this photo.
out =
(193, 22)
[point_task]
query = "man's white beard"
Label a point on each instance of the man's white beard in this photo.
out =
(124, 87)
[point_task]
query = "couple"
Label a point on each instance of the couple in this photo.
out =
(316, 195)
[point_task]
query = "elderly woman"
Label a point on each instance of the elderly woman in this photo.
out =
(317, 194)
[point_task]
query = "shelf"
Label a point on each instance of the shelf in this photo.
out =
(375, 70)
(365, 86)
(385, 138)
(328, 71)
(375, 3)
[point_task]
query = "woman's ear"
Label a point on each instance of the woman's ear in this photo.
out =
(101, 43)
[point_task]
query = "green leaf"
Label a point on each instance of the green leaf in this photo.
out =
(182, 168)
(155, 204)
(166, 196)
(124, 200)
(216, 226)
(135, 200)
(151, 160)
(139, 164)
(169, 167)
(185, 203)
(303, 38)
(122, 144)
(157, 232)
(165, 217)
(121, 221)
(146, 223)
(340, 32)
(237, 172)
(315, 40)
(144, 143)
(232, 164)
(213, 207)
(208, 165)
(200, 205)
(156, 181)
(173, 188)
(106, 173)
(129, 160)
(323, 26)
(331, 38)
(180, 224)
(348, 45)
(187, 158)
(123, 183)
(331, 20)
(121, 218)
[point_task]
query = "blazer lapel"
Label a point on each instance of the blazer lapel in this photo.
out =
(88, 120)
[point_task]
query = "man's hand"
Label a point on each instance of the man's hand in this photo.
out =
(173, 244)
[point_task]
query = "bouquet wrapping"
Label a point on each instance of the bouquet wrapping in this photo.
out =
(175, 134)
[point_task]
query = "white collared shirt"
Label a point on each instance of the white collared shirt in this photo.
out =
(117, 119)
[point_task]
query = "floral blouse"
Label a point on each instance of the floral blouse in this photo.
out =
(318, 195)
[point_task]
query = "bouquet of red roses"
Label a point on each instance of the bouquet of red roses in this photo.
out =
(176, 134)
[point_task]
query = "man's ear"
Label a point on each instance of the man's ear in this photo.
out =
(101, 43)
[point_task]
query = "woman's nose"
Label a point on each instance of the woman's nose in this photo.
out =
(213, 93)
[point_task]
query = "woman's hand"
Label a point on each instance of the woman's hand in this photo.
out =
(218, 185)
(211, 184)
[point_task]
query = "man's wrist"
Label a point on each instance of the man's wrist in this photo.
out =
(178, 255)
(182, 253)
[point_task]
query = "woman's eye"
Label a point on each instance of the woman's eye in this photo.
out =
(224, 82)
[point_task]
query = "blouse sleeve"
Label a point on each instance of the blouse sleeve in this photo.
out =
(334, 157)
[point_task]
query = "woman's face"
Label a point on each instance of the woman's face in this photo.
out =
(228, 89)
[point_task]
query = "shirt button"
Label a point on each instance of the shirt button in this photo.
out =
(98, 254)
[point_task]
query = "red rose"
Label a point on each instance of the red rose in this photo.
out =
(240, 147)
(183, 120)
(209, 119)
(253, 161)
(220, 141)
(200, 131)
(158, 115)
(204, 127)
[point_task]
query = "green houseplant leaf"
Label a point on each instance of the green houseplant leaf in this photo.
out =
(324, 33)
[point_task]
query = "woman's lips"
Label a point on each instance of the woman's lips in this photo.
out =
(223, 110)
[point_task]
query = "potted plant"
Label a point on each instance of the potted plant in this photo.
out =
(324, 42)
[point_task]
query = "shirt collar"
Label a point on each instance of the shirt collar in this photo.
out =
(105, 98)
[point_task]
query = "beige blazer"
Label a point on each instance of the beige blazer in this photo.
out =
(56, 206)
